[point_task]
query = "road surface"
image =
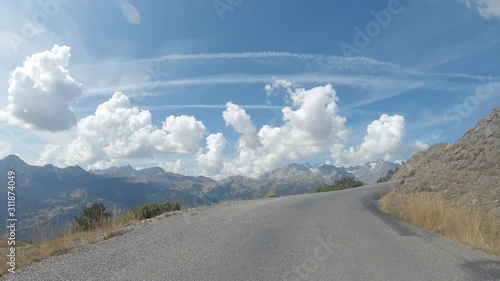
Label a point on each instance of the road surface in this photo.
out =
(328, 236)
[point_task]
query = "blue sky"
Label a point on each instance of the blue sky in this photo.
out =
(347, 82)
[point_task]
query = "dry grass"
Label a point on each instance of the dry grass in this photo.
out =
(43, 245)
(468, 225)
(43, 248)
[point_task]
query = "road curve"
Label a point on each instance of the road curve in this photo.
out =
(327, 236)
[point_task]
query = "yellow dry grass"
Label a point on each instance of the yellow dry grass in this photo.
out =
(468, 225)
(43, 248)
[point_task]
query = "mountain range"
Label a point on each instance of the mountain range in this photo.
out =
(52, 195)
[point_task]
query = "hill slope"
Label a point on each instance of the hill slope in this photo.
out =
(53, 195)
(468, 170)
(454, 189)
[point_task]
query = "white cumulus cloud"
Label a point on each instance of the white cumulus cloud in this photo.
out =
(486, 8)
(177, 167)
(183, 134)
(116, 131)
(236, 117)
(382, 141)
(211, 162)
(41, 92)
(316, 123)
(314, 127)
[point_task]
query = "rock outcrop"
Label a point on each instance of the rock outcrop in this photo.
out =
(468, 171)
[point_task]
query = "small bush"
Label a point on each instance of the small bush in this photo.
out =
(154, 209)
(93, 216)
(343, 183)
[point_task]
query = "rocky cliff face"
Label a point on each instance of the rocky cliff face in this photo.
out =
(468, 170)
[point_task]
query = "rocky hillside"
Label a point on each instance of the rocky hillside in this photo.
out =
(468, 170)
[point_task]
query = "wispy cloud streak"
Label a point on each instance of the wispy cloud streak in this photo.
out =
(381, 80)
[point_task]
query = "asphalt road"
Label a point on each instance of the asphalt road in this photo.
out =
(328, 236)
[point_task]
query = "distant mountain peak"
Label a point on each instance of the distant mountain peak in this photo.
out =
(12, 157)
(13, 160)
(126, 168)
(298, 166)
(372, 171)
(368, 173)
(74, 168)
(158, 170)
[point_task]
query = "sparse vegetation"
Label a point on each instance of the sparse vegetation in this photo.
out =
(471, 226)
(388, 177)
(154, 209)
(343, 183)
(94, 216)
(94, 225)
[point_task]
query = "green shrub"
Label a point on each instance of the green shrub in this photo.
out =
(343, 183)
(93, 216)
(154, 209)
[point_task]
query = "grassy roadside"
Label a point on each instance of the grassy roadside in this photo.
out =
(471, 226)
(72, 238)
